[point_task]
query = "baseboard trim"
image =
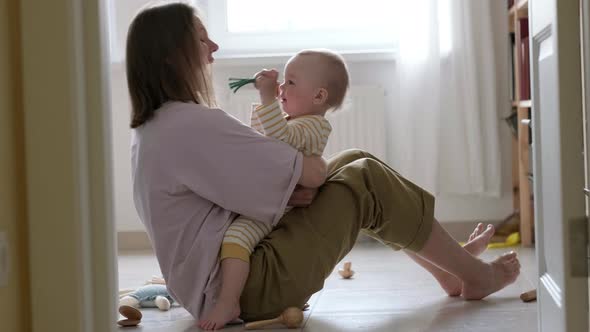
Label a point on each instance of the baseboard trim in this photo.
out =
(139, 240)
(133, 240)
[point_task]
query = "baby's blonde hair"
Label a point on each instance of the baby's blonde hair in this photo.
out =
(334, 75)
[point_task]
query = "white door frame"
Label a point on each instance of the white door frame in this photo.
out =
(68, 169)
(558, 165)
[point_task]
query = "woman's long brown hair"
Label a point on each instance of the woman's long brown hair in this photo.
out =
(165, 61)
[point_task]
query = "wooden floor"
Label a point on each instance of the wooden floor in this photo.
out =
(388, 293)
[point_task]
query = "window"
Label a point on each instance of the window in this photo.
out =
(262, 27)
(250, 28)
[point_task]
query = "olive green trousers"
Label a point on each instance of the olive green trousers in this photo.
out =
(361, 194)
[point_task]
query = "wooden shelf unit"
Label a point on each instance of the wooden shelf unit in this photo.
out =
(521, 151)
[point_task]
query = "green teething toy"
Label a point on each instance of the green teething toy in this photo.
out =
(236, 83)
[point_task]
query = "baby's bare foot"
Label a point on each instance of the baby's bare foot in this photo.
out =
(500, 273)
(223, 313)
(478, 243)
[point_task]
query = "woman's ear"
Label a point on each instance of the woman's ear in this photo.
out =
(320, 97)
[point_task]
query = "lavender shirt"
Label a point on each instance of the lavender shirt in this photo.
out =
(194, 170)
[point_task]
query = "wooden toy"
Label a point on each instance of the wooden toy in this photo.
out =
(346, 272)
(128, 322)
(529, 296)
(132, 315)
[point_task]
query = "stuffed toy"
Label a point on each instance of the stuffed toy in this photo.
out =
(148, 296)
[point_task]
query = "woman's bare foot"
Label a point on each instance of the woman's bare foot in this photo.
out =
(501, 272)
(223, 313)
(479, 239)
(477, 244)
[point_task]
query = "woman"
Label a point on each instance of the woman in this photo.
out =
(196, 168)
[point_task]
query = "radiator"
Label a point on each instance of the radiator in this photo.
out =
(360, 123)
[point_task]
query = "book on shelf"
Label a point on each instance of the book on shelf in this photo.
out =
(524, 62)
(512, 54)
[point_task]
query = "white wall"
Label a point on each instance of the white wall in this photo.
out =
(126, 217)
(363, 72)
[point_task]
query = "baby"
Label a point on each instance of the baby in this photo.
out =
(315, 82)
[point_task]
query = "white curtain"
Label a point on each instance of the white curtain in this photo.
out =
(445, 124)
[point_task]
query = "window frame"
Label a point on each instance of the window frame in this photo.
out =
(248, 45)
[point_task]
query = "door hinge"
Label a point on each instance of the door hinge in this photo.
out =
(579, 247)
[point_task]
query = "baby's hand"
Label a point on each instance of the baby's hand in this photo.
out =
(268, 85)
(302, 197)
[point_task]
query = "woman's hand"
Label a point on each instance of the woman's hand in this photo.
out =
(302, 197)
(267, 84)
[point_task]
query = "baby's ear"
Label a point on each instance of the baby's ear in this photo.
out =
(320, 97)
